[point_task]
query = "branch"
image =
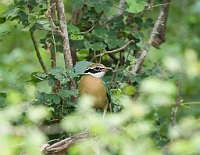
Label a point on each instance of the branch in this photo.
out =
(74, 18)
(38, 52)
(113, 51)
(160, 37)
(138, 66)
(51, 14)
(36, 46)
(64, 33)
(65, 39)
(178, 102)
(64, 144)
(120, 7)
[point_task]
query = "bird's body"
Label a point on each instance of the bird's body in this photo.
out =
(92, 84)
(96, 88)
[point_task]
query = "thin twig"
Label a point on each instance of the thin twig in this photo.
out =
(113, 75)
(36, 46)
(160, 5)
(50, 13)
(38, 52)
(178, 102)
(87, 30)
(113, 51)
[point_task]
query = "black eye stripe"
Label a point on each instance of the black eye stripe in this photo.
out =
(93, 70)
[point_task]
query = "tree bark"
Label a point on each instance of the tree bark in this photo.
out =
(65, 39)
(160, 37)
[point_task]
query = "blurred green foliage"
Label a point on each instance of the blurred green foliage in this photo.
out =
(138, 125)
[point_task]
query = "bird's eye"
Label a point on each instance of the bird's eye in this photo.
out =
(97, 68)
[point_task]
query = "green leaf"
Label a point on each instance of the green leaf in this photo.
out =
(100, 31)
(24, 18)
(29, 26)
(106, 6)
(41, 75)
(2, 20)
(33, 2)
(48, 97)
(73, 29)
(56, 99)
(139, 21)
(115, 109)
(111, 41)
(37, 77)
(98, 46)
(87, 44)
(2, 99)
(83, 54)
(121, 42)
(136, 6)
(149, 20)
(38, 26)
(76, 37)
(98, 8)
(81, 66)
(10, 12)
(68, 93)
(78, 4)
(91, 3)
(129, 90)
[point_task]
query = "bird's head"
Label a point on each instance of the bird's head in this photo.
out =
(97, 70)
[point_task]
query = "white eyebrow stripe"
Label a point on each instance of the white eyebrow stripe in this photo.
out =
(96, 75)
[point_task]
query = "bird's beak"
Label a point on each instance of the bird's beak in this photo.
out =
(106, 69)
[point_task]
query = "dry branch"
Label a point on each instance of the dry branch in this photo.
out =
(65, 39)
(38, 52)
(64, 144)
(36, 45)
(138, 66)
(113, 51)
(64, 33)
(51, 15)
(160, 37)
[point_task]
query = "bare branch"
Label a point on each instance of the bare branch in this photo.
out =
(65, 143)
(64, 33)
(87, 30)
(36, 46)
(178, 102)
(38, 52)
(65, 39)
(51, 14)
(138, 66)
(160, 37)
(53, 10)
(113, 51)
(120, 8)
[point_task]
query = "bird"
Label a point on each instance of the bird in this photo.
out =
(91, 83)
